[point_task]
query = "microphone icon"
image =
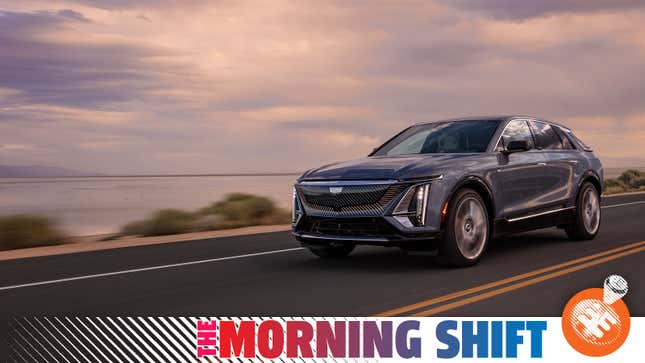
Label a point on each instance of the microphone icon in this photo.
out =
(614, 288)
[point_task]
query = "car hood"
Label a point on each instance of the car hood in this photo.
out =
(390, 167)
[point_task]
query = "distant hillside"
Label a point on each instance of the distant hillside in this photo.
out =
(37, 171)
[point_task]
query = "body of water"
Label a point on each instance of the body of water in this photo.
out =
(97, 205)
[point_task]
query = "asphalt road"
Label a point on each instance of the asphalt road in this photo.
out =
(268, 275)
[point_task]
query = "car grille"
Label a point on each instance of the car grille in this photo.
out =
(353, 200)
(347, 227)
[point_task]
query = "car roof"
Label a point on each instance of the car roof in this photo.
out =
(494, 118)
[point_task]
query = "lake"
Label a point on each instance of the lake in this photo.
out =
(97, 205)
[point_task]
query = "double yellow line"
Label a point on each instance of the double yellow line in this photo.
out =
(482, 292)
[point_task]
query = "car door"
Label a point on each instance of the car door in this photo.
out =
(560, 164)
(518, 180)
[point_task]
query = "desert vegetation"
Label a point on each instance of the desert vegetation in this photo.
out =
(631, 180)
(236, 210)
(22, 231)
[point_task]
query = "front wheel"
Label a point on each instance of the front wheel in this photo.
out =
(466, 230)
(332, 250)
(587, 218)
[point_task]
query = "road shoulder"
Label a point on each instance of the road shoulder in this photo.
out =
(90, 243)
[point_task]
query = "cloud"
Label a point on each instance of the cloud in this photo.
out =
(285, 86)
(72, 15)
(16, 147)
(76, 73)
(44, 113)
(519, 10)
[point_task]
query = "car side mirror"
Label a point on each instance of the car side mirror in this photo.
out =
(515, 146)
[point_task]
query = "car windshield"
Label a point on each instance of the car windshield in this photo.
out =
(468, 136)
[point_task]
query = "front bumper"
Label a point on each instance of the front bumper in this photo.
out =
(363, 230)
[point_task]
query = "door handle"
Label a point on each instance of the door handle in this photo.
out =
(541, 164)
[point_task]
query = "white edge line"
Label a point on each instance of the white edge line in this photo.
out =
(623, 204)
(152, 268)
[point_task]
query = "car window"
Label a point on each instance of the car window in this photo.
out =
(412, 145)
(566, 143)
(515, 130)
(464, 136)
(545, 136)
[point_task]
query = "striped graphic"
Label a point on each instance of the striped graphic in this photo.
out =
(121, 339)
(103, 339)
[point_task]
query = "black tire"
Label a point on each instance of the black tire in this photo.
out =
(579, 230)
(450, 252)
(332, 251)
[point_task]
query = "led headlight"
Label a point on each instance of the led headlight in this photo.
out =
(411, 209)
(296, 211)
(421, 203)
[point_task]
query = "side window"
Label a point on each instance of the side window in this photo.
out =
(566, 143)
(545, 136)
(515, 130)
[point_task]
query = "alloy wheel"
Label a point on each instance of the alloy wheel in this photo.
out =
(471, 227)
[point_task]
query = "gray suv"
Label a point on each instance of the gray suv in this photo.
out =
(448, 186)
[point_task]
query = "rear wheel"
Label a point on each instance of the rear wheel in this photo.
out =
(332, 250)
(587, 218)
(466, 231)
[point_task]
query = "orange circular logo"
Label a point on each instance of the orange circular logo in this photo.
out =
(595, 322)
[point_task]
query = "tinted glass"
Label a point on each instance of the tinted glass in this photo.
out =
(515, 130)
(469, 136)
(545, 137)
(566, 143)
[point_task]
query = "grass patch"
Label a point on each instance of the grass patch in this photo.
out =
(163, 222)
(236, 210)
(629, 181)
(22, 231)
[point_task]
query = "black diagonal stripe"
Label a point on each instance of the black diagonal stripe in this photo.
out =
(10, 355)
(133, 347)
(132, 341)
(55, 340)
(83, 338)
(11, 347)
(22, 349)
(191, 331)
(46, 342)
(162, 343)
(174, 339)
(64, 339)
(186, 343)
(158, 346)
(108, 338)
(21, 337)
(134, 336)
(76, 341)
(111, 354)
(184, 331)
(30, 335)
(181, 330)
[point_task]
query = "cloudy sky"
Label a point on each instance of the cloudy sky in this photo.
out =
(233, 86)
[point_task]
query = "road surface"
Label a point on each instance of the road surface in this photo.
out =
(531, 274)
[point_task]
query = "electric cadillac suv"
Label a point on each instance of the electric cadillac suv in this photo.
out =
(447, 187)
